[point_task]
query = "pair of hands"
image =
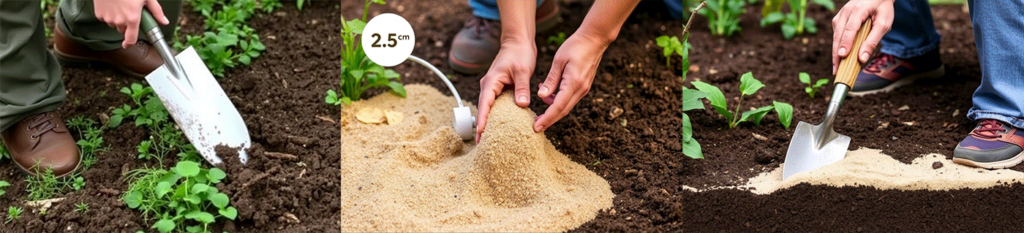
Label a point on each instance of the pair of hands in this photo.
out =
(572, 72)
(849, 19)
(125, 15)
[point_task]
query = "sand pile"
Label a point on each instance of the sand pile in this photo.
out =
(420, 176)
(868, 167)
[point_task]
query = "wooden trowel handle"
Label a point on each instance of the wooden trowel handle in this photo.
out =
(849, 67)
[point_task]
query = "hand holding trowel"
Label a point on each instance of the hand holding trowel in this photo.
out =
(814, 146)
(195, 99)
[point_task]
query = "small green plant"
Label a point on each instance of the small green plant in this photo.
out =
(670, 45)
(42, 186)
(270, 5)
(723, 16)
(227, 40)
(333, 99)
(358, 73)
(557, 39)
(185, 198)
(793, 23)
(13, 213)
(812, 88)
(691, 98)
(3, 187)
(3, 152)
(90, 134)
(748, 86)
(150, 110)
(82, 207)
(78, 183)
(299, 4)
(151, 114)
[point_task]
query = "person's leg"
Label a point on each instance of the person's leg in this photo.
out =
(30, 78)
(80, 38)
(908, 52)
(30, 92)
(476, 45)
(998, 141)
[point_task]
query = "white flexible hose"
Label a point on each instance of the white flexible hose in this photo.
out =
(440, 75)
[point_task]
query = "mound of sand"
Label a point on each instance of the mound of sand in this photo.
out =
(868, 167)
(419, 176)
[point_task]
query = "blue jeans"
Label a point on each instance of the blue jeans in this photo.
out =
(998, 35)
(488, 9)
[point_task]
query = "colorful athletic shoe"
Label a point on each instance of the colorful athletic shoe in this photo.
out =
(885, 72)
(993, 144)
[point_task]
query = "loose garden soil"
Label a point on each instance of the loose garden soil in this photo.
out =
(280, 96)
(639, 154)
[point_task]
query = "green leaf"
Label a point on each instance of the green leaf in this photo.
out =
(687, 128)
(356, 25)
(828, 4)
(772, 18)
(219, 200)
(662, 41)
(805, 78)
(164, 225)
(194, 199)
(771, 6)
(809, 26)
(229, 212)
(785, 112)
(187, 168)
(749, 85)
(691, 99)
(821, 82)
(346, 100)
(397, 88)
(756, 114)
(715, 96)
(133, 199)
(692, 149)
(216, 175)
(115, 120)
(200, 216)
(198, 188)
(788, 31)
(162, 189)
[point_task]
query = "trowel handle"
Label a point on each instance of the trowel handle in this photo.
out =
(147, 22)
(849, 67)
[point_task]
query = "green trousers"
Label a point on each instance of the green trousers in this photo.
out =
(30, 77)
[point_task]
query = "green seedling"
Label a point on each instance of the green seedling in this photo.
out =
(3, 187)
(670, 45)
(78, 183)
(812, 88)
(557, 39)
(184, 198)
(150, 113)
(748, 86)
(270, 5)
(90, 134)
(723, 16)
(227, 40)
(358, 73)
(299, 4)
(13, 213)
(691, 98)
(793, 23)
(333, 99)
(42, 186)
(82, 207)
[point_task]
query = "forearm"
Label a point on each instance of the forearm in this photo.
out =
(518, 22)
(605, 19)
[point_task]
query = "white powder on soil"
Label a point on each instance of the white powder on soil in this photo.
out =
(419, 176)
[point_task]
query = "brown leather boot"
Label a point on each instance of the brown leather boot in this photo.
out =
(42, 142)
(476, 45)
(136, 61)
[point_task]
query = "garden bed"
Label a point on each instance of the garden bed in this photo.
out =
(280, 96)
(639, 151)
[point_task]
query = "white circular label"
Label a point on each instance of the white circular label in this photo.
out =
(388, 39)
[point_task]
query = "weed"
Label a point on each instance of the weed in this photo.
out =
(3, 187)
(150, 113)
(748, 86)
(13, 213)
(557, 39)
(812, 88)
(78, 183)
(82, 207)
(358, 73)
(227, 41)
(723, 16)
(270, 5)
(670, 45)
(793, 23)
(90, 134)
(179, 198)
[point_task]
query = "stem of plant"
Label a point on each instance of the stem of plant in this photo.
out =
(800, 19)
(736, 115)
(686, 29)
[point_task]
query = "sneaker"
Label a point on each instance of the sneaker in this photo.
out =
(886, 72)
(476, 45)
(41, 143)
(992, 144)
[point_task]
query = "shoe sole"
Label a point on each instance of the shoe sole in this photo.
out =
(74, 61)
(993, 165)
(932, 74)
(27, 171)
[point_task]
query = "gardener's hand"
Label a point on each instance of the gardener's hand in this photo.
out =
(849, 19)
(124, 15)
(513, 66)
(572, 72)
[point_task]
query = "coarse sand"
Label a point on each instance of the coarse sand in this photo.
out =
(869, 167)
(419, 176)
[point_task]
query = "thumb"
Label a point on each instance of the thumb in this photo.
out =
(158, 12)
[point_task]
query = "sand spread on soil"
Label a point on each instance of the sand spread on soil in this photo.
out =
(419, 176)
(869, 167)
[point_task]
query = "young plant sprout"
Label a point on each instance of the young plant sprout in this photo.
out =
(557, 39)
(793, 23)
(812, 88)
(723, 16)
(748, 86)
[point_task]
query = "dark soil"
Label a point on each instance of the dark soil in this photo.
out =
(632, 76)
(280, 96)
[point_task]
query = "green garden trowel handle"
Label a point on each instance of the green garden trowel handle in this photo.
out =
(149, 26)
